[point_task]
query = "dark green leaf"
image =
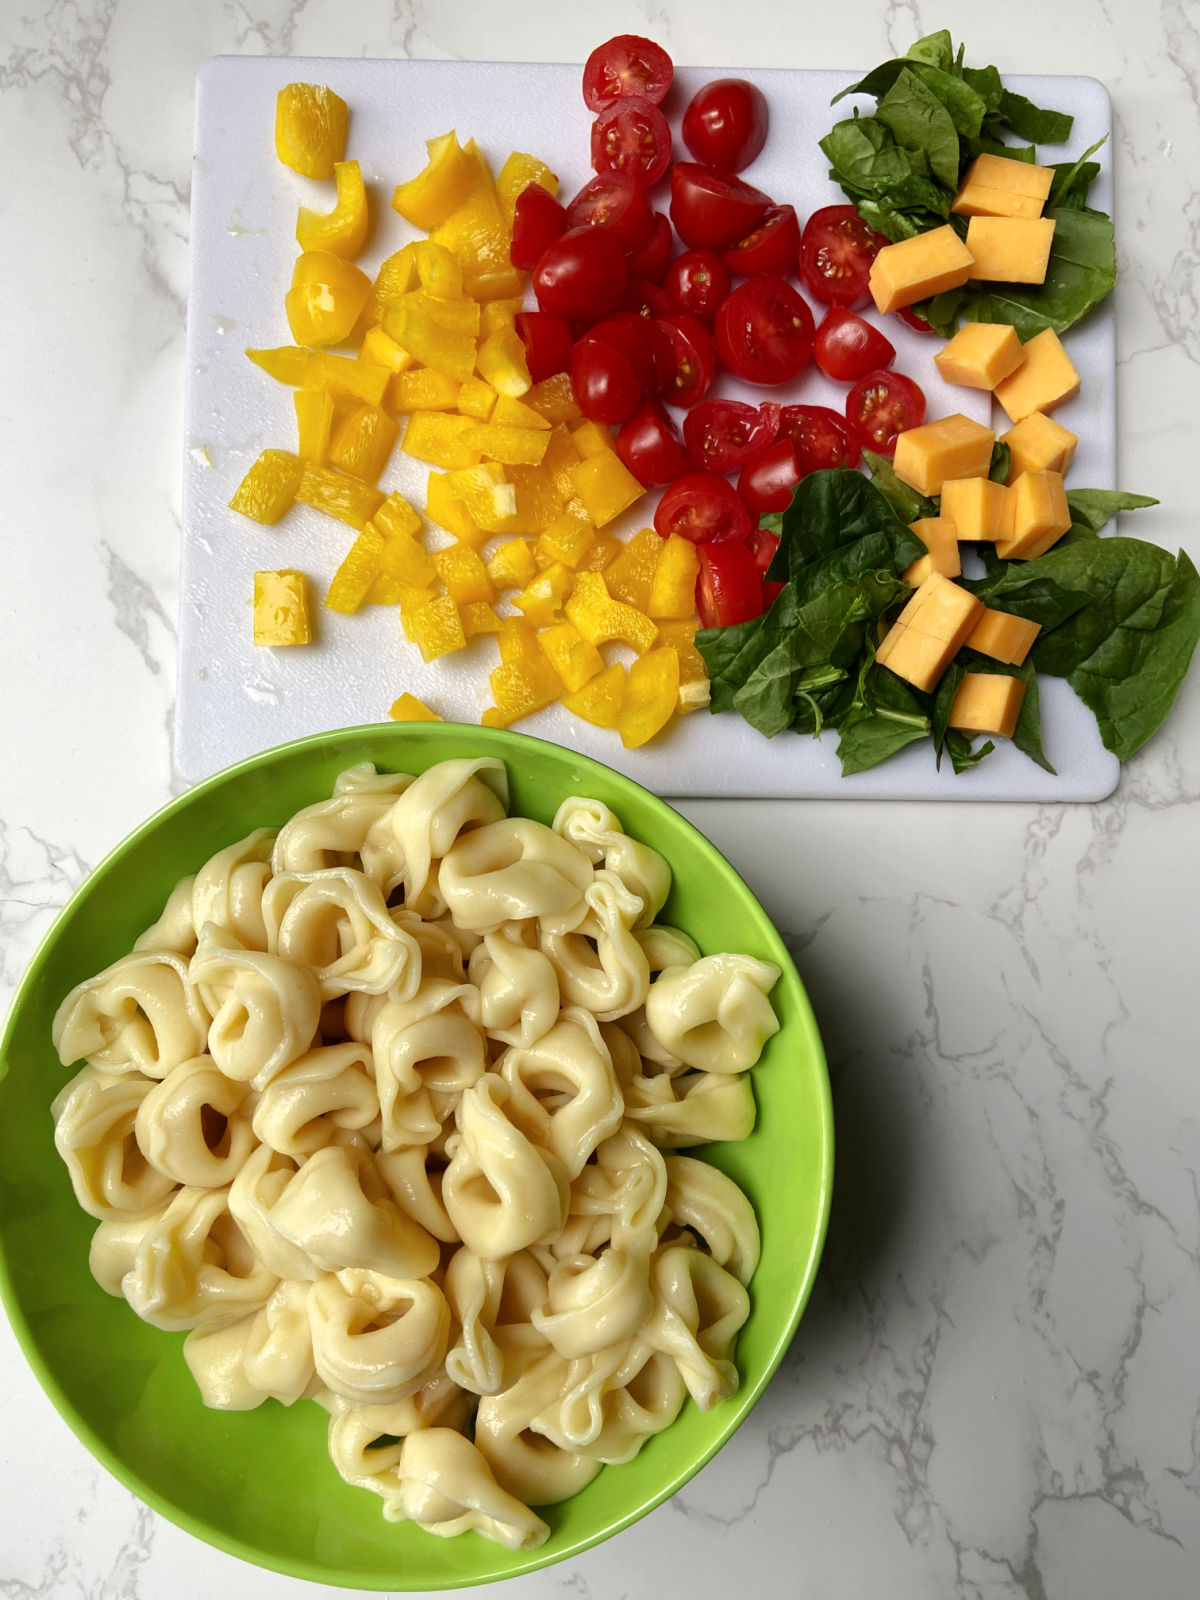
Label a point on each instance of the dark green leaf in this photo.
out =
(988, 144)
(937, 49)
(918, 120)
(987, 84)
(943, 699)
(1035, 123)
(1001, 462)
(832, 509)
(1097, 507)
(731, 654)
(1026, 590)
(908, 505)
(868, 163)
(1072, 180)
(871, 733)
(962, 754)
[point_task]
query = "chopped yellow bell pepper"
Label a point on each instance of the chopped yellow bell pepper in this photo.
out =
(437, 628)
(512, 565)
(362, 442)
(538, 502)
(314, 422)
(476, 399)
(404, 566)
(281, 608)
(326, 298)
(490, 501)
(600, 618)
(287, 364)
(606, 487)
(439, 438)
(602, 699)
(270, 487)
(542, 598)
(439, 270)
(479, 236)
(409, 709)
(339, 495)
(478, 617)
(590, 439)
(443, 184)
(408, 322)
(310, 129)
(396, 276)
(410, 598)
(500, 314)
(517, 173)
(462, 571)
(568, 539)
(554, 399)
(346, 378)
(395, 516)
(443, 507)
(344, 229)
(381, 350)
(560, 460)
(422, 390)
(502, 362)
(513, 446)
(350, 583)
(630, 576)
(574, 658)
(693, 674)
(652, 697)
(515, 414)
(673, 589)
(456, 316)
(520, 689)
(602, 552)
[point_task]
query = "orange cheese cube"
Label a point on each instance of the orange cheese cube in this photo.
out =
(1040, 516)
(976, 507)
(1017, 177)
(977, 200)
(1039, 444)
(915, 268)
(941, 545)
(1045, 379)
(1010, 249)
(987, 702)
(930, 631)
(1004, 637)
(953, 447)
(980, 355)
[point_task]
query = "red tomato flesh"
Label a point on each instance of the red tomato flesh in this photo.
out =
(773, 246)
(605, 386)
(704, 508)
(650, 446)
(698, 281)
(712, 210)
(632, 136)
(846, 347)
(836, 252)
(581, 276)
(728, 589)
(765, 331)
(725, 124)
(643, 344)
(768, 478)
(693, 359)
(538, 220)
(626, 65)
(615, 200)
(722, 434)
(821, 438)
(652, 257)
(646, 299)
(882, 405)
(547, 341)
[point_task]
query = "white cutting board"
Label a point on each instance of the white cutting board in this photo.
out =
(235, 700)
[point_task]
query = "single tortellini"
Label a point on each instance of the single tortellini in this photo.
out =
(594, 1302)
(337, 924)
(194, 1267)
(563, 1092)
(715, 1014)
(228, 889)
(331, 833)
(623, 1192)
(597, 831)
(375, 1338)
(519, 998)
(533, 1469)
(613, 1401)
(431, 1043)
(116, 1242)
(691, 1108)
(193, 1126)
(142, 1014)
(699, 1309)
(94, 1132)
(265, 1010)
(513, 869)
(365, 1441)
(601, 965)
(449, 1488)
(702, 1198)
(327, 1089)
(267, 1355)
(252, 1197)
(449, 799)
(173, 929)
(502, 1192)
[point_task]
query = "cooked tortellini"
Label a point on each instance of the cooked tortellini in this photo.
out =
(383, 1110)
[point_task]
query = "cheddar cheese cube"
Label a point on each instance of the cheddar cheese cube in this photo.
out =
(980, 355)
(930, 631)
(1039, 444)
(976, 506)
(1003, 637)
(938, 536)
(977, 200)
(1010, 249)
(915, 268)
(987, 702)
(1045, 379)
(998, 179)
(953, 447)
(1040, 516)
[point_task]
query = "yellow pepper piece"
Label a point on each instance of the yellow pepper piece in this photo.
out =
(455, 316)
(568, 539)
(437, 628)
(479, 236)
(600, 618)
(518, 642)
(653, 694)
(270, 487)
(476, 399)
(314, 421)
(693, 674)
(490, 501)
(512, 566)
(520, 690)
(395, 277)
(439, 438)
(554, 399)
(542, 598)
(439, 270)
(478, 617)
(514, 414)
(410, 598)
(404, 566)
(362, 442)
(281, 608)
(422, 390)
(574, 658)
(500, 314)
(518, 447)
(345, 378)
(339, 495)
(442, 186)
(462, 571)
(673, 589)
(326, 298)
(605, 486)
(310, 129)
(632, 573)
(443, 507)
(600, 555)
(344, 229)
(602, 700)
(409, 709)
(590, 439)
(502, 362)
(287, 364)
(538, 502)
(350, 583)
(408, 322)
(395, 516)
(381, 350)
(517, 173)
(560, 458)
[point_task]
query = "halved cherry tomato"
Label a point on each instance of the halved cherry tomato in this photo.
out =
(821, 438)
(547, 341)
(882, 405)
(725, 124)
(908, 315)
(697, 281)
(642, 342)
(722, 434)
(762, 545)
(646, 299)
(632, 136)
(712, 210)
(615, 200)
(836, 252)
(768, 478)
(650, 446)
(765, 331)
(605, 386)
(704, 508)
(623, 66)
(774, 246)
(652, 257)
(728, 589)
(538, 220)
(693, 356)
(581, 276)
(846, 347)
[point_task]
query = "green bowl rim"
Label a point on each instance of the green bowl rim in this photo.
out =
(742, 1402)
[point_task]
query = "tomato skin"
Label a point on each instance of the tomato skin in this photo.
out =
(846, 347)
(646, 299)
(643, 344)
(769, 477)
(581, 276)
(632, 136)
(626, 65)
(725, 124)
(702, 507)
(698, 281)
(820, 437)
(882, 405)
(773, 246)
(728, 589)
(712, 210)
(693, 358)
(762, 545)
(615, 200)
(652, 257)
(908, 315)
(538, 220)
(605, 386)
(836, 252)
(765, 331)
(547, 341)
(650, 446)
(722, 434)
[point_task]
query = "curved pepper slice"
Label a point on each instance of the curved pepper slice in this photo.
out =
(362, 442)
(310, 128)
(344, 229)
(409, 709)
(602, 700)
(439, 188)
(631, 575)
(573, 657)
(653, 695)
(270, 487)
(326, 298)
(673, 587)
(600, 618)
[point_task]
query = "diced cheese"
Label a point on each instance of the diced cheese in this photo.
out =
(1039, 444)
(930, 631)
(976, 507)
(1040, 516)
(953, 447)
(1045, 378)
(978, 200)
(938, 536)
(987, 702)
(1009, 249)
(1004, 637)
(980, 355)
(916, 268)
(1015, 177)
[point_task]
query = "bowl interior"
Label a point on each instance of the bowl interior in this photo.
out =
(260, 1484)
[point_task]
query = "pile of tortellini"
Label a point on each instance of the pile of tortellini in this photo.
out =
(378, 1110)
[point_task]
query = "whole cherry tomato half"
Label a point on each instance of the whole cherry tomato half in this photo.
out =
(697, 281)
(729, 589)
(581, 276)
(820, 437)
(646, 299)
(632, 136)
(623, 66)
(883, 405)
(773, 246)
(722, 434)
(652, 257)
(693, 359)
(642, 342)
(702, 507)
(725, 124)
(615, 200)
(765, 331)
(547, 340)
(846, 347)
(712, 210)
(836, 252)
(762, 545)
(650, 446)
(605, 386)
(538, 220)
(768, 478)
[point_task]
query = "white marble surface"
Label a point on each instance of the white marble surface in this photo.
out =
(994, 1393)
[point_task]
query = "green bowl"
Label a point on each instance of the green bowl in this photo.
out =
(259, 1484)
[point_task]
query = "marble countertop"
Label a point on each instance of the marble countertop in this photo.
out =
(994, 1392)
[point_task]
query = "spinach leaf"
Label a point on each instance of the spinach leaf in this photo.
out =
(875, 729)
(961, 752)
(1072, 180)
(838, 508)
(987, 84)
(1025, 590)
(936, 49)
(1097, 507)
(908, 505)
(1034, 123)
(868, 163)
(943, 699)
(1001, 462)
(967, 108)
(918, 120)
